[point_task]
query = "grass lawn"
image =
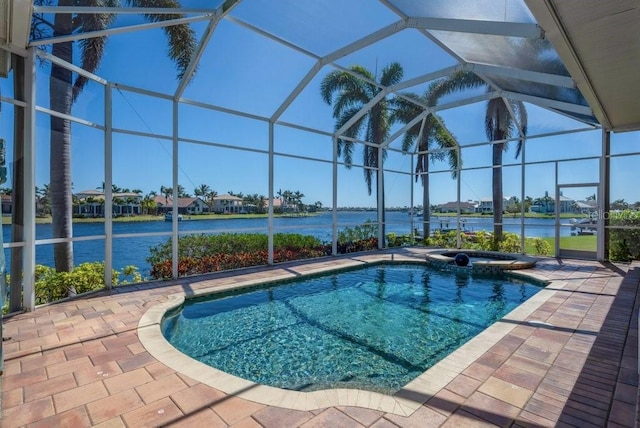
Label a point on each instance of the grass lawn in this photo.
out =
(583, 242)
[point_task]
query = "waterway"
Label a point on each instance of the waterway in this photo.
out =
(132, 248)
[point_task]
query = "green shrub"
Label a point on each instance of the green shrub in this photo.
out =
(358, 238)
(482, 240)
(51, 285)
(350, 234)
(444, 239)
(510, 243)
(541, 246)
(199, 246)
(199, 254)
(395, 240)
(624, 244)
(222, 261)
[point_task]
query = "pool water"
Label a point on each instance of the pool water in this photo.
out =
(375, 328)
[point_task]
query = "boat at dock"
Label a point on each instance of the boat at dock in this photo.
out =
(169, 217)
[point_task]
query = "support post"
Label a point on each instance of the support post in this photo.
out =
(604, 199)
(29, 260)
(522, 197)
(271, 183)
(380, 194)
(458, 193)
(557, 212)
(174, 203)
(108, 186)
(334, 212)
(413, 238)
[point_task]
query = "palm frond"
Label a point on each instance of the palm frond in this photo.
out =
(403, 110)
(91, 49)
(182, 39)
(370, 160)
(391, 74)
(408, 141)
(445, 139)
(361, 70)
(345, 147)
(522, 116)
(456, 82)
(349, 89)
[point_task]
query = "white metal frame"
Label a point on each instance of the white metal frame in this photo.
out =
(599, 231)
(214, 16)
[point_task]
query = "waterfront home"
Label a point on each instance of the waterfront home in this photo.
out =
(485, 205)
(468, 207)
(227, 204)
(90, 203)
(547, 205)
(185, 205)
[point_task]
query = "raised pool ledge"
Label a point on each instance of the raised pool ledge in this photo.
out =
(485, 261)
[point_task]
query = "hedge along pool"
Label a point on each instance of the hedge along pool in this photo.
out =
(374, 328)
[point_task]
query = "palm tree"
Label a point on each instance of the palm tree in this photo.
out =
(211, 199)
(182, 193)
(352, 94)
(202, 190)
(63, 91)
(166, 191)
(427, 134)
(43, 200)
(500, 125)
(297, 200)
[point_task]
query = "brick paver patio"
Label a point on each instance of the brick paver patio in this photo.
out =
(573, 361)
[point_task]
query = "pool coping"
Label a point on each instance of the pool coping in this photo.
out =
(404, 402)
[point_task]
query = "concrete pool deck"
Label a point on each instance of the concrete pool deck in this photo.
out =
(568, 356)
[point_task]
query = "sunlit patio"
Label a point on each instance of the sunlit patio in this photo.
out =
(569, 357)
(512, 125)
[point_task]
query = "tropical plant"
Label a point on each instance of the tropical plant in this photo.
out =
(198, 254)
(258, 202)
(166, 192)
(182, 192)
(202, 190)
(349, 93)
(430, 133)
(51, 285)
(43, 200)
(504, 119)
(149, 205)
(64, 90)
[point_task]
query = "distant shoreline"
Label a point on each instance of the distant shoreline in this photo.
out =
(6, 219)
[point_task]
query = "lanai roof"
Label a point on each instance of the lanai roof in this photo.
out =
(575, 57)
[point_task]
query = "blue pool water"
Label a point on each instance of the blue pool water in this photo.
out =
(375, 328)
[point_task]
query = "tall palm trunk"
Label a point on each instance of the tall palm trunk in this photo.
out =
(380, 192)
(426, 202)
(497, 148)
(61, 96)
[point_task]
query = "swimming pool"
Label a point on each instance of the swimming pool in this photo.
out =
(374, 328)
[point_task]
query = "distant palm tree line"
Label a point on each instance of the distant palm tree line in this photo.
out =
(289, 200)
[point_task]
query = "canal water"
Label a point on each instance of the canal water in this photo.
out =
(133, 250)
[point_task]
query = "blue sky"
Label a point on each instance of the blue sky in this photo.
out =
(241, 70)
